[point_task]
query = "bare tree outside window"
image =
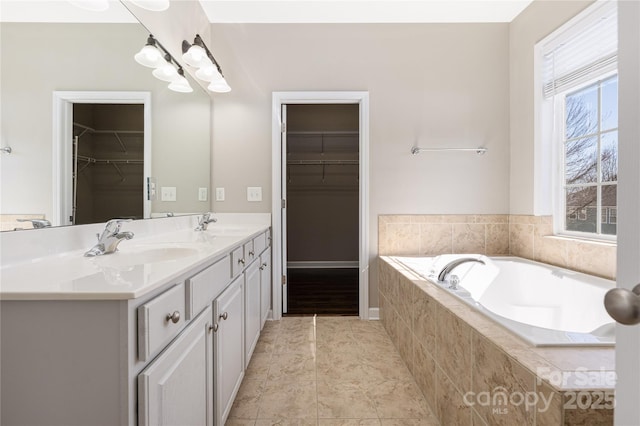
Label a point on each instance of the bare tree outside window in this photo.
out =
(591, 158)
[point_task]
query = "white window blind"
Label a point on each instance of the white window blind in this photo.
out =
(582, 52)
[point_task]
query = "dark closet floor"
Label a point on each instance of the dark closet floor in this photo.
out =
(322, 291)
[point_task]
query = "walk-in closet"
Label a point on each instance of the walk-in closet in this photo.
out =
(322, 189)
(108, 162)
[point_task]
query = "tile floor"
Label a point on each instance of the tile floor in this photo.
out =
(328, 371)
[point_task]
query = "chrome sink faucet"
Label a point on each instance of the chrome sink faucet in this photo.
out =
(110, 238)
(37, 223)
(444, 273)
(204, 221)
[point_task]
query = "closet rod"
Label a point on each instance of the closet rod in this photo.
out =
(91, 129)
(109, 161)
(417, 150)
(328, 133)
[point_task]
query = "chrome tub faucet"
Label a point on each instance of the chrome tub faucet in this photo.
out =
(204, 221)
(110, 238)
(444, 273)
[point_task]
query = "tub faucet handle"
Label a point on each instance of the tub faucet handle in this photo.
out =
(454, 280)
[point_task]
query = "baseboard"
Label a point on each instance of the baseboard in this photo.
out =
(374, 314)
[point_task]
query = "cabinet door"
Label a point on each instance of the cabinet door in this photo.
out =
(265, 285)
(176, 388)
(252, 309)
(228, 347)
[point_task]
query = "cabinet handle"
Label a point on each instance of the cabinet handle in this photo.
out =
(214, 327)
(224, 316)
(241, 261)
(174, 317)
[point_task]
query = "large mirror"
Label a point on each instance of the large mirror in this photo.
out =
(41, 58)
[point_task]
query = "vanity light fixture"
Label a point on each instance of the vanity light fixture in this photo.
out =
(166, 68)
(199, 56)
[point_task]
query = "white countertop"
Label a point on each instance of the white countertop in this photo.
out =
(147, 262)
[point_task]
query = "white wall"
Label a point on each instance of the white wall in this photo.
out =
(434, 84)
(38, 59)
(538, 20)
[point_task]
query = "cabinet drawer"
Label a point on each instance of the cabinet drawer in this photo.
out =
(260, 243)
(205, 286)
(160, 320)
(237, 261)
(249, 252)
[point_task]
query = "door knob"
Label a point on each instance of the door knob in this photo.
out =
(623, 305)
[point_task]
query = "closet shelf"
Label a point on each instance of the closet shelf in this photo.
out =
(115, 133)
(324, 133)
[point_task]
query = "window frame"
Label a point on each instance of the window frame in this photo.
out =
(558, 110)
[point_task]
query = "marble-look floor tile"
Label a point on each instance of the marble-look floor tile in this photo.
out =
(292, 367)
(398, 400)
(259, 366)
(348, 422)
(245, 406)
(240, 422)
(286, 422)
(342, 399)
(290, 400)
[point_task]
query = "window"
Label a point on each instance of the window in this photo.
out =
(577, 65)
(590, 157)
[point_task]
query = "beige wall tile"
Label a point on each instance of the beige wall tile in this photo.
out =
(424, 319)
(492, 218)
(494, 371)
(592, 258)
(405, 300)
(424, 372)
(450, 406)
(453, 348)
(469, 238)
(551, 250)
(590, 416)
(435, 238)
(406, 238)
(497, 240)
(549, 409)
(405, 344)
(521, 240)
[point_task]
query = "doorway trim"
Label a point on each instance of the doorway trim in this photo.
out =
(279, 99)
(62, 150)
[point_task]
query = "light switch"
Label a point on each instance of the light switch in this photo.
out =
(168, 193)
(254, 193)
(202, 194)
(219, 194)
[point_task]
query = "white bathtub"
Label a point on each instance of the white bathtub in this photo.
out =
(543, 304)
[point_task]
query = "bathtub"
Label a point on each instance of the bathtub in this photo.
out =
(542, 304)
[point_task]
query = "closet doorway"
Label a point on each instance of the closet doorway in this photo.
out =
(108, 175)
(107, 162)
(322, 187)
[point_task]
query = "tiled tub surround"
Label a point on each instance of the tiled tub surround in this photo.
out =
(463, 362)
(530, 237)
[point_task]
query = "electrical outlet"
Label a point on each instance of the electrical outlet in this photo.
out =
(254, 193)
(219, 194)
(168, 193)
(202, 194)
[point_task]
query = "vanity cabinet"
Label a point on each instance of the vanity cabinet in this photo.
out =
(175, 355)
(228, 314)
(252, 309)
(177, 387)
(265, 285)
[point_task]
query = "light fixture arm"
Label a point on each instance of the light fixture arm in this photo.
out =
(167, 56)
(199, 42)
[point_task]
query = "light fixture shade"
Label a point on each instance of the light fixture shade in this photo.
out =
(166, 72)
(219, 86)
(149, 56)
(93, 5)
(196, 56)
(154, 5)
(208, 73)
(181, 85)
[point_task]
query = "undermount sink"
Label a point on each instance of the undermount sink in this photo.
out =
(141, 256)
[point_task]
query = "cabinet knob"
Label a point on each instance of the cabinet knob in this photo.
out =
(241, 261)
(252, 253)
(264, 265)
(174, 317)
(224, 316)
(214, 327)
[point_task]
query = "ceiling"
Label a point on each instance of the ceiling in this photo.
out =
(286, 11)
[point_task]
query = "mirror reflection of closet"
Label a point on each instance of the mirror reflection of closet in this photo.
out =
(108, 162)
